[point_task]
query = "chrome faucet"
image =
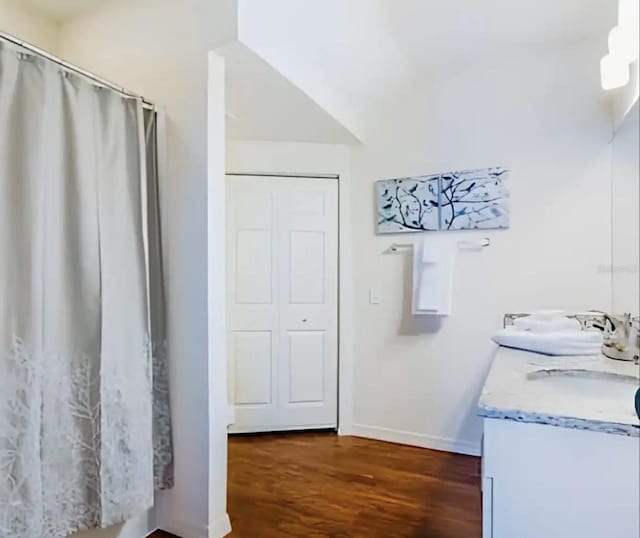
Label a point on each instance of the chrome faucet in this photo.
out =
(621, 337)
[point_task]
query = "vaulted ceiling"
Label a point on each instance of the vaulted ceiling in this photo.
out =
(262, 104)
(352, 55)
(60, 10)
(319, 70)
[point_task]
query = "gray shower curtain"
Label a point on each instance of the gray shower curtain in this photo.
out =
(77, 435)
(162, 441)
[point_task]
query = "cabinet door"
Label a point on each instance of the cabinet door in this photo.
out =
(543, 481)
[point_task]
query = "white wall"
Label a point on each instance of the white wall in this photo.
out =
(159, 49)
(16, 19)
(544, 117)
(623, 99)
(626, 218)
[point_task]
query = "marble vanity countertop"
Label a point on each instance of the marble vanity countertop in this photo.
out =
(515, 389)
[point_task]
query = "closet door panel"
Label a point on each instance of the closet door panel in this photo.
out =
(252, 310)
(283, 306)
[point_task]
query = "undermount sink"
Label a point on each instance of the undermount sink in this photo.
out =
(611, 390)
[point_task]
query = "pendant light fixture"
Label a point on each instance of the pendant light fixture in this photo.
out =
(624, 46)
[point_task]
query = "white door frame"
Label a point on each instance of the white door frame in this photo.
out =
(345, 363)
(340, 414)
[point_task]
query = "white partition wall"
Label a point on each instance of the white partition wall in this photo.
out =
(219, 524)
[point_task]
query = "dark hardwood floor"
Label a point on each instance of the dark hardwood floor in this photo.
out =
(322, 485)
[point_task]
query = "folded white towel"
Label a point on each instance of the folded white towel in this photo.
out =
(567, 342)
(433, 267)
(532, 324)
(546, 315)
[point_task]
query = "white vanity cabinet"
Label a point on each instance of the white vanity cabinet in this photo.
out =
(542, 481)
(561, 447)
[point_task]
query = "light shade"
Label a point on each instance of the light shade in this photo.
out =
(629, 37)
(628, 13)
(623, 44)
(614, 72)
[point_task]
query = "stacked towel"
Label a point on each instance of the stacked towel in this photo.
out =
(535, 324)
(550, 333)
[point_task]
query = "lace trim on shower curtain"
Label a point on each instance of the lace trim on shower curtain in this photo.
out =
(163, 475)
(73, 450)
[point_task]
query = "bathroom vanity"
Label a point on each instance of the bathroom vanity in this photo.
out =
(561, 447)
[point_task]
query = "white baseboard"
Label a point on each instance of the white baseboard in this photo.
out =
(186, 530)
(218, 529)
(345, 430)
(221, 527)
(415, 439)
(290, 428)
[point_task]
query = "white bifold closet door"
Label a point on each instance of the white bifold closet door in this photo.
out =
(282, 294)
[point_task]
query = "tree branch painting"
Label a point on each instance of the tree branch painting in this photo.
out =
(409, 204)
(459, 200)
(474, 199)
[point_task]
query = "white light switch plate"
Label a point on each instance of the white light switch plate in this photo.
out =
(374, 296)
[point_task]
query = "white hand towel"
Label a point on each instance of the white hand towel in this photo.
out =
(530, 323)
(433, 266)
(567, 342)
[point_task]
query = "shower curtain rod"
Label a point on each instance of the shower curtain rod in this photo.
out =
(83, 72)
